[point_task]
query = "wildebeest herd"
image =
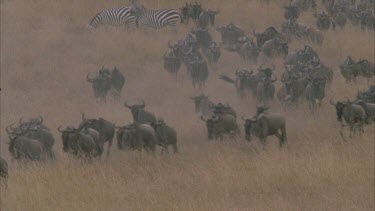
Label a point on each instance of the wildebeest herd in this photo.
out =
(305, 78)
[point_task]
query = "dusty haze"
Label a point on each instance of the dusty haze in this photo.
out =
(45, 56)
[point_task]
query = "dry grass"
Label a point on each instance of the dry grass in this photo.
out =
(45, 56)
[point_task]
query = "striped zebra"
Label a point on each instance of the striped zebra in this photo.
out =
(156, 19)
(114, 17)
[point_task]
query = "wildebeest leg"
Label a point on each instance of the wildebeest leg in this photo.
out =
(263, 141)
(281, 139)
(51, 155)
(109, 146)
(175, 149)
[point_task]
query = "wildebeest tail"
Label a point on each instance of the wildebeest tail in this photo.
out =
(226, 78)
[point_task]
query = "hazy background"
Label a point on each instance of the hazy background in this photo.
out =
(46, 53)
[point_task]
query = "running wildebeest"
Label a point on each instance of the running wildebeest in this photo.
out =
(172, 63)
(84, 142)
(140, 115)
(165, 135)
(21, 147)
(106, 81)
(219, 126)
(136, 137)
(34, 129)
(202, 104)
(3, 170)
(265, 125)
(105, 128)
(207, 18)
(353, 114)
(245, 81)
(315, 92)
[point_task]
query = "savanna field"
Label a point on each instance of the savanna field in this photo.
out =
(46, 53)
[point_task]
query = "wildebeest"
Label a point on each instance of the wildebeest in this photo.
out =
(136, 137)
(191, 11)
(202, 104)
(350, 69)
(140, 115)
(203, 37)
(230, 35)
(34, 129)
(275, 47)
(165, 135)
(106, 81)
(172, 63)
(265, 87)
(221, 109)
(315, 92)
(212, 52)
(353, 114)
(85, 142)
(369, 109)
(248, 50)
(291, 12)
(219, 126)
(22, 147)
(294, 87)
(105, 128)
(245, 81)
(367, 96)
(198, 71)
(305, 4)
(323, 21)
(268, 34)
(265, 125)
(3, 170)
(294, 29)
(207, 18)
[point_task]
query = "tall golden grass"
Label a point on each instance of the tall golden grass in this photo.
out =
(45, 56)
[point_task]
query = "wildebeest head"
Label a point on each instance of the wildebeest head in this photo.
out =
(135, 107)
(66, 135)
(211, 16)
(33, 123)
(126, 136)
(210, 127)
(247, 127)
(199, 100)
(339, 108)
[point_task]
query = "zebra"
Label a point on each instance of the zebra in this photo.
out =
(114, 17)
(156, 19)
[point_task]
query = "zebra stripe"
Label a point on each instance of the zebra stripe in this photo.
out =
(156, 19)
(114, 17)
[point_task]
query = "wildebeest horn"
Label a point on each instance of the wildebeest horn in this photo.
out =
(189, 51)
(126, 105)
(331, 102)
(89, 79)
(7, 129)
(40, 119)
(58, 129)
(20, 121)
(170, 45)
(203, 119)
